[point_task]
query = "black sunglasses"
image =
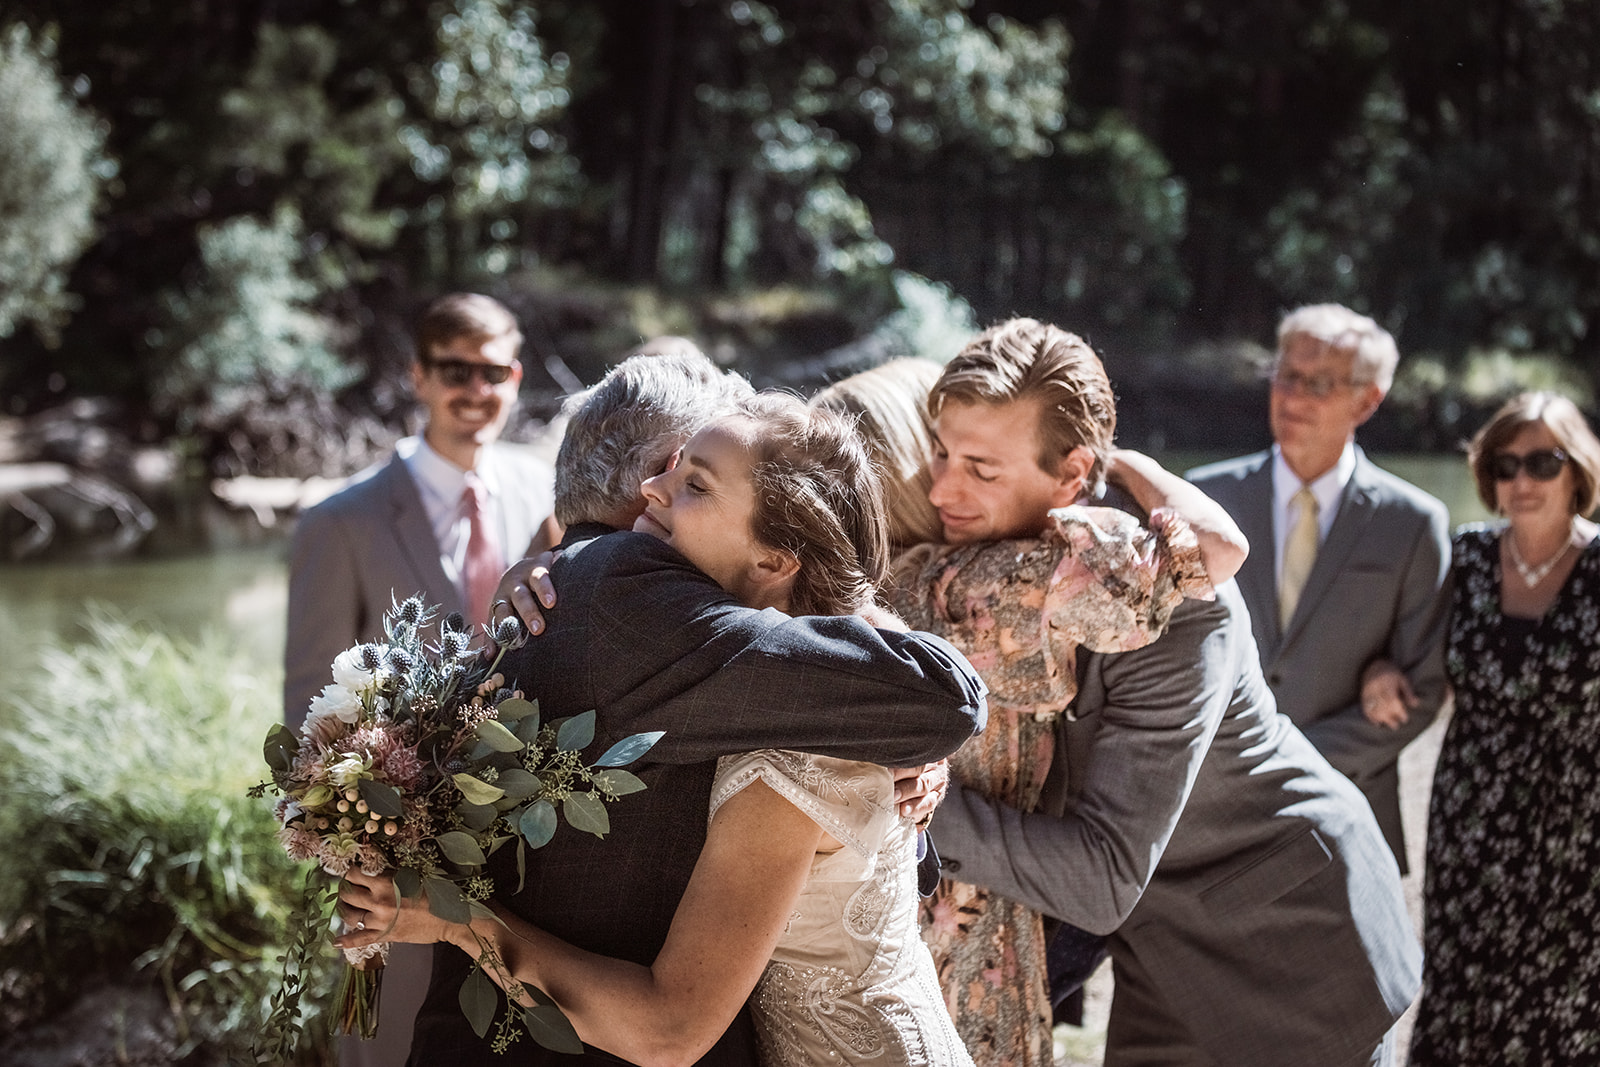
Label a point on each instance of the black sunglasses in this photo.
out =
(1542, 466)
(458, 372)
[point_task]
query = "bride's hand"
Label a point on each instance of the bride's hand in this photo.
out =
(373, 911)
(523, 588)
(918, 790)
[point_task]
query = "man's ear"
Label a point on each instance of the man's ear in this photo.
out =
(1072, 475)
(1371, 397)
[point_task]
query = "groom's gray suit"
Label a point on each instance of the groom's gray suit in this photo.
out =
(1377, 591)
(1255, 913)
(371, 542)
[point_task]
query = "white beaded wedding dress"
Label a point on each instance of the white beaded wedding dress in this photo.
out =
(850, 980)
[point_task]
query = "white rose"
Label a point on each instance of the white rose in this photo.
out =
(350, 672)
(336, 700)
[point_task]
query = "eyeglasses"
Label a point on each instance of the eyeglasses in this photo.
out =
(458, 372)
(1319, 386)
(1542, 466)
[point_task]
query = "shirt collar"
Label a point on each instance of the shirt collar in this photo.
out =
(438, 475)
(1328, 488)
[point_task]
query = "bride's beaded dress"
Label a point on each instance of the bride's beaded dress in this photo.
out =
(850, 980)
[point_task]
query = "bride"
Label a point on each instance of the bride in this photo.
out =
(804, 898)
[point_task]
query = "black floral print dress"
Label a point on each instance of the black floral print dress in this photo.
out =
(1512, 893)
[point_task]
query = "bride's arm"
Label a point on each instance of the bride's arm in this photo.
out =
(756, 859)
(1223, 546)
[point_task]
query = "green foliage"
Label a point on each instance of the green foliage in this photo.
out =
(244, 330)
(932, 322)
(131, 846)
(52, 169)
(328, 158)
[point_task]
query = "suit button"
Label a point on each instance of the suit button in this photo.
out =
(952, 866)
(1274, 678)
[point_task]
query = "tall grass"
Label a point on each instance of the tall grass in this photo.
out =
(132, 853)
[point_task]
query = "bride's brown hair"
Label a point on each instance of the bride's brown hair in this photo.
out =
(817, 498)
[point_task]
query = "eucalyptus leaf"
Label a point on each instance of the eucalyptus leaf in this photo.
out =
(552, 1029)
(476, 790)
(585, 811)
(629, 749)
(461, 848)
(620, 783)
(575, 733)
(518, 783)
(537, 824)
(497, 737)
(381, 797)
(480, 999)
(280, 747)
(516, 708)
(445, 900)
(528, 729)
(408, 883)
(476, 817)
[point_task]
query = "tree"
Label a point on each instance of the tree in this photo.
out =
(52, 169)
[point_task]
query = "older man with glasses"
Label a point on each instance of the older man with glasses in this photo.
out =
(1346, 583)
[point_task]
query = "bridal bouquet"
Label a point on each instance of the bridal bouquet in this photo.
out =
(418, 760)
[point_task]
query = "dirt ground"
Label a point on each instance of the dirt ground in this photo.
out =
(1085, 1046)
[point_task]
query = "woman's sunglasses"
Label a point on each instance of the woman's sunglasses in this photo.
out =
(1542, 466)
(458, 372)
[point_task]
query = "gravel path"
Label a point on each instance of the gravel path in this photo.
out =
(1085, 1046)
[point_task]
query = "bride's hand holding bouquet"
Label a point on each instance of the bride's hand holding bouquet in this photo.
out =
(415, 766)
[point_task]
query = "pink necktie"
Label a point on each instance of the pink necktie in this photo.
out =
(485, 563)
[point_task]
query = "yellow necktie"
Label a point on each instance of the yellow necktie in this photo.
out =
(1299, 553)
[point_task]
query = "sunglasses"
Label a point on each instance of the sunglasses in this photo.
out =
(458, 372)
(1542, 466)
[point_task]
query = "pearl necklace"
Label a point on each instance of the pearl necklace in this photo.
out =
(1534, 575)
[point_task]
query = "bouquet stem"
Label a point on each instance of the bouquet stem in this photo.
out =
(358, 998)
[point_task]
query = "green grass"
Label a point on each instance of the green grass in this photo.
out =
(133, 854)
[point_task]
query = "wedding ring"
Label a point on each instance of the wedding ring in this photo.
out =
(362, 925)
(496, 606)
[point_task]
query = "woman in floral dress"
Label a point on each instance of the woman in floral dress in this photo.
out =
(1019, 610)
(1512, 897)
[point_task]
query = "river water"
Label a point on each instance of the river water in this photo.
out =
(242, 590)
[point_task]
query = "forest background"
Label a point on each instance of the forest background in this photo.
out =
(220, 218)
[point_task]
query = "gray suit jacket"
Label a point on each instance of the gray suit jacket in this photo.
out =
(1240, 871)
(371, 542)
(1378, 590)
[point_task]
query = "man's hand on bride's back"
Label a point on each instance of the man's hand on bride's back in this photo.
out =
(523, 588)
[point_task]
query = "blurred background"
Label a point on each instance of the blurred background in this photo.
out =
(219, 220)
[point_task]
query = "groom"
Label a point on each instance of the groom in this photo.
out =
(1254, 910)
(652, 644)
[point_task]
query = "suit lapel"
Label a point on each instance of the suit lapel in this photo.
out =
(413, 532)
(1356, 509)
